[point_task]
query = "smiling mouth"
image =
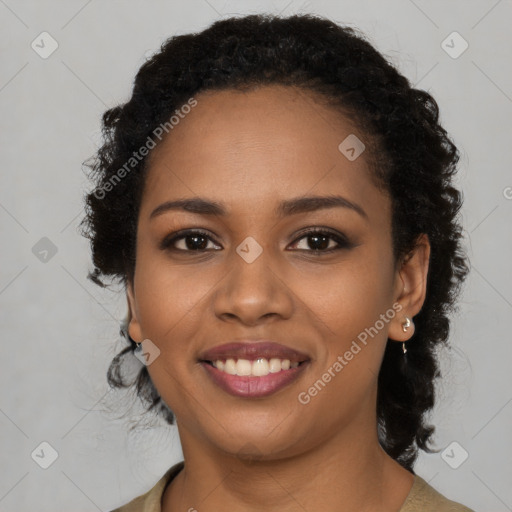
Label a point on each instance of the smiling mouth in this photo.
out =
(259, 367)
(253, 378)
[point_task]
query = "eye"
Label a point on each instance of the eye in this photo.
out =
(320, 240)
(317, 241)
(192, 241)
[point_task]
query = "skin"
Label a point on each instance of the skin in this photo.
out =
(249, 151)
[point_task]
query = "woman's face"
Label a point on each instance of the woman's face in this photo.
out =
(253, 273)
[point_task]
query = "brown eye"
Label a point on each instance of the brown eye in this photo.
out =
(190, 241)
(317, 241)
(323, 241)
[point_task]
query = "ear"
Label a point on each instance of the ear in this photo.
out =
(134, 329)
(410, 288)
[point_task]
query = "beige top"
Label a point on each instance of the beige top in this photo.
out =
(421, 498)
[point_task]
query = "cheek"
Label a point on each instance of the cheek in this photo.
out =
(350, 296)
(171, 299)
(354, 305)
(355, 312)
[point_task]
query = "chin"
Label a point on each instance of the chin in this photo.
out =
(252, 444)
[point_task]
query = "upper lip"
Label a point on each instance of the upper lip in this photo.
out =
(252, 350)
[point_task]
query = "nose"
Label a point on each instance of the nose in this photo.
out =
(253, 292)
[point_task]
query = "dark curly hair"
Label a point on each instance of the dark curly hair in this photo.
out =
(412, 159)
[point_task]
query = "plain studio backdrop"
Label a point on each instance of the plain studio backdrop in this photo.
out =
(62, 65)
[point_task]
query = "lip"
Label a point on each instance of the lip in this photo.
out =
(250, 386)
(253, 350)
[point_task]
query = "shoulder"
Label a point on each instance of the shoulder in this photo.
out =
(423, 497)
(151, 500)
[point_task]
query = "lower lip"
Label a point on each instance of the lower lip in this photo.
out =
(250, 386)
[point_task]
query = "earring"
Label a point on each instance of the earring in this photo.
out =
(138, 344)
(405, 326)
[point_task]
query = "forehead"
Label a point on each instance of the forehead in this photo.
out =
(250, 148)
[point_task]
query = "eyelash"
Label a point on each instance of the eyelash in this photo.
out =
(342, 241)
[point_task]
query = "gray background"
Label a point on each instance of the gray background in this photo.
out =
(60, 331)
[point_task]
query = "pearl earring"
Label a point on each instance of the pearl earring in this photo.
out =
(405, 326)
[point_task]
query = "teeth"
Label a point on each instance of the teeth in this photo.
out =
(243, 367)
(258, 368)
(230, 367)
(275, 365)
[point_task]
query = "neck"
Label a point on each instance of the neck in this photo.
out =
(349, 472)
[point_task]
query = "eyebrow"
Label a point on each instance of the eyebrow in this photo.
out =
(294, 206)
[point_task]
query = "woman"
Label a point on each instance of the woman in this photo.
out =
(277, 201)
